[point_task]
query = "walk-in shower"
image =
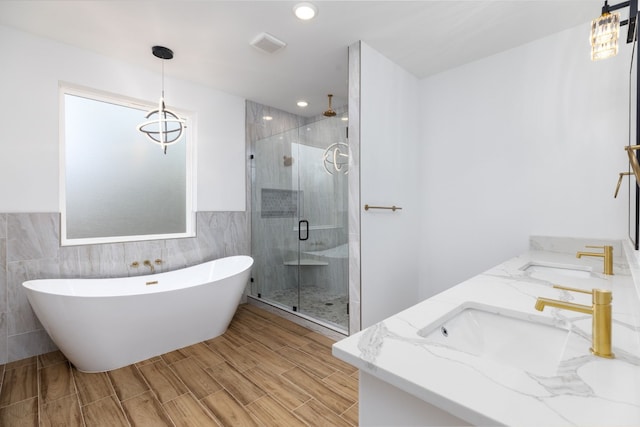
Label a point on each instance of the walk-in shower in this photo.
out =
(299, 236)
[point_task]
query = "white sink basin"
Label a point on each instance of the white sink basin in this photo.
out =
(527, 342)
(561, 270)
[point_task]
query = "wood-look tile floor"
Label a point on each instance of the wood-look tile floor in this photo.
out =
(264, 371)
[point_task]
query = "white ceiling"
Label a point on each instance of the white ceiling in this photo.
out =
(210, 39)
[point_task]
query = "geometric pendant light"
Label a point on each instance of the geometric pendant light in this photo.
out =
(163, 127)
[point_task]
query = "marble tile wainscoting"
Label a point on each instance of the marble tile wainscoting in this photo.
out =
(30, 249)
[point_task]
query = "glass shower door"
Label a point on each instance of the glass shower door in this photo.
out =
(274, 221)
(323, 271)
(299, 224)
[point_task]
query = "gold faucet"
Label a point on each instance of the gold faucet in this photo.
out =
(607, 254)
(148, 264)
(600, 310)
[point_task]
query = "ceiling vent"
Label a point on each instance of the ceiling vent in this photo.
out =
(267, 43)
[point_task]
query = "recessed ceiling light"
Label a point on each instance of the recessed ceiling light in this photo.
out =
(305, 10)
(302, 104)
(267, 118)
(345, 119)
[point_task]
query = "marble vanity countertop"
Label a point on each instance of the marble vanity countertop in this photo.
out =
(584, 390)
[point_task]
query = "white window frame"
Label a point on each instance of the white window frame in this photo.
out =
(144, 106)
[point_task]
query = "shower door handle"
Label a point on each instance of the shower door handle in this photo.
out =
(306, 229)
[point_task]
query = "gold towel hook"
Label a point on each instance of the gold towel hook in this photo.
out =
(621, 175)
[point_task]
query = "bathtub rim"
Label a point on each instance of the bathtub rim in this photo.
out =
(62, 287)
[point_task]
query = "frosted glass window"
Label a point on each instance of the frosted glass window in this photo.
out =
(118, 185)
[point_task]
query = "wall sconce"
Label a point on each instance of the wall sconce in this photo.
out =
(606, 28)
(604, 34)
(167, 128)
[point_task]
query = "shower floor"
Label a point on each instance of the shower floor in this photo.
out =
(315, 302)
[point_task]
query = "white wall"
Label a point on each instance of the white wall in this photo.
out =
(29, 75)
(389, 143)
(526, 142)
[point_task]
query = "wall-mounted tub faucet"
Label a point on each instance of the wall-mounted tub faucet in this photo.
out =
(148, 264)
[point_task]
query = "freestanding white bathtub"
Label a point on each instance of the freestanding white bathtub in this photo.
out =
(104, 324)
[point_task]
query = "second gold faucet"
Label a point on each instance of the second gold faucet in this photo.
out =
(600, 310)
(607, 255)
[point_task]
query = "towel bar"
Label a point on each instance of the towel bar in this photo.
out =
(393, 208)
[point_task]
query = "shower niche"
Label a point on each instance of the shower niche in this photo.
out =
(299, 234)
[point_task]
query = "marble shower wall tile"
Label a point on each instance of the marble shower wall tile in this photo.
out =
(30, 249)
(29, 344)
(89, 261)
(32, 236)
(180, 253)
(4, 308)
(3, 226)
(20, 316)
(223, 234)
(258, 128)
(3, 265)
(4, 346)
